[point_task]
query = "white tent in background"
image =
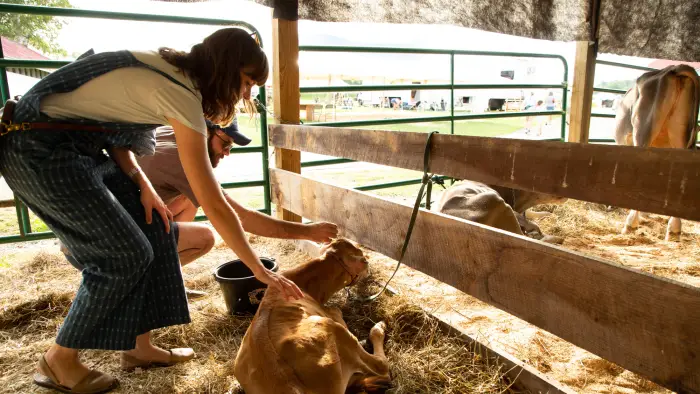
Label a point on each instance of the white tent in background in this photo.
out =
(19, 84)
(326, 79)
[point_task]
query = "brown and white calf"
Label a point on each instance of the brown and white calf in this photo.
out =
(660, 111)
(304, 347)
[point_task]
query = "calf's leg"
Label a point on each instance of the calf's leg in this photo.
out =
(374, 367)
(673, 231)
(631, 223)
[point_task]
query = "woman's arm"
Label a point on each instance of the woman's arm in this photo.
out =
(264, 225)
(192, 149)
(149, 198)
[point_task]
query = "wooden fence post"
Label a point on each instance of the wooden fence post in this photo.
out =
(584, 74)
(582, 92)
(285, 46)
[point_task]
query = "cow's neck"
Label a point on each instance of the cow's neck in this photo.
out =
(320, 278)
(510, 196)
(519, 200)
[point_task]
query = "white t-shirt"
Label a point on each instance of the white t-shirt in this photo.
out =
(530, 101)
(132, 95)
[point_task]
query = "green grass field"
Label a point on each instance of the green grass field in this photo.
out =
(478, 127)
(9, 226)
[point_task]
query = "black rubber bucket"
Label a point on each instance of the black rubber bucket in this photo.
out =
(242, 291)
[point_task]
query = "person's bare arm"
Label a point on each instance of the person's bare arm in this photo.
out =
(149, 198)
(192, 149)
(264, 225)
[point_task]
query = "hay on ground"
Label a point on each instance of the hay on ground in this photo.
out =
(423, 359)
(35, 312)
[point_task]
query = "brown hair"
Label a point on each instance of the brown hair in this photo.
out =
(214, 66)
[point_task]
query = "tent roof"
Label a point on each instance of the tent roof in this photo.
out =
(646, 28)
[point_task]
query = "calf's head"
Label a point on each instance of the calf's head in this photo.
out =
(349, 257)
(341, 264)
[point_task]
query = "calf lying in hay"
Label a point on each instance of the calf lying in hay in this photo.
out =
(496, 206)
(304, 347)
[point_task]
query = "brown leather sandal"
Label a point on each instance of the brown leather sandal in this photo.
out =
(93, 383)
(129, 363)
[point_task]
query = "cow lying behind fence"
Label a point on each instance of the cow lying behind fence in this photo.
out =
(496, 206)
(660, 111)
(304, 347)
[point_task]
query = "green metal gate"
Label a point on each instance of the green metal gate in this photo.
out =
(26, 233)
(563, 85)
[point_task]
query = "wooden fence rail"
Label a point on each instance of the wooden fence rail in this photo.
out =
(663, 181)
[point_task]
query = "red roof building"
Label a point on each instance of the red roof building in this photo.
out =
(15, 50)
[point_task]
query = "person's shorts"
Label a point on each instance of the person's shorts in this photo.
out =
(550, 108)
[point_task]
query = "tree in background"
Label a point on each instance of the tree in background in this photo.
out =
(619, 84)
(37, 31)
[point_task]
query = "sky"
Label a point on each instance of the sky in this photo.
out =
(81, 34)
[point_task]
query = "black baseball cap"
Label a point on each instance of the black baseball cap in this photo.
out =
(231, 131)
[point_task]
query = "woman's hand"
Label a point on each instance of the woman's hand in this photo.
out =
(150, 201)
(192, 150)
(149, 198)
(289, 289)
(322, 232)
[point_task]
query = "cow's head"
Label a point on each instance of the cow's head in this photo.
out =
(350, 258)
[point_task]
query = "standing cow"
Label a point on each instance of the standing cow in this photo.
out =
(496, 206)
(660, 111)
(303, 347)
